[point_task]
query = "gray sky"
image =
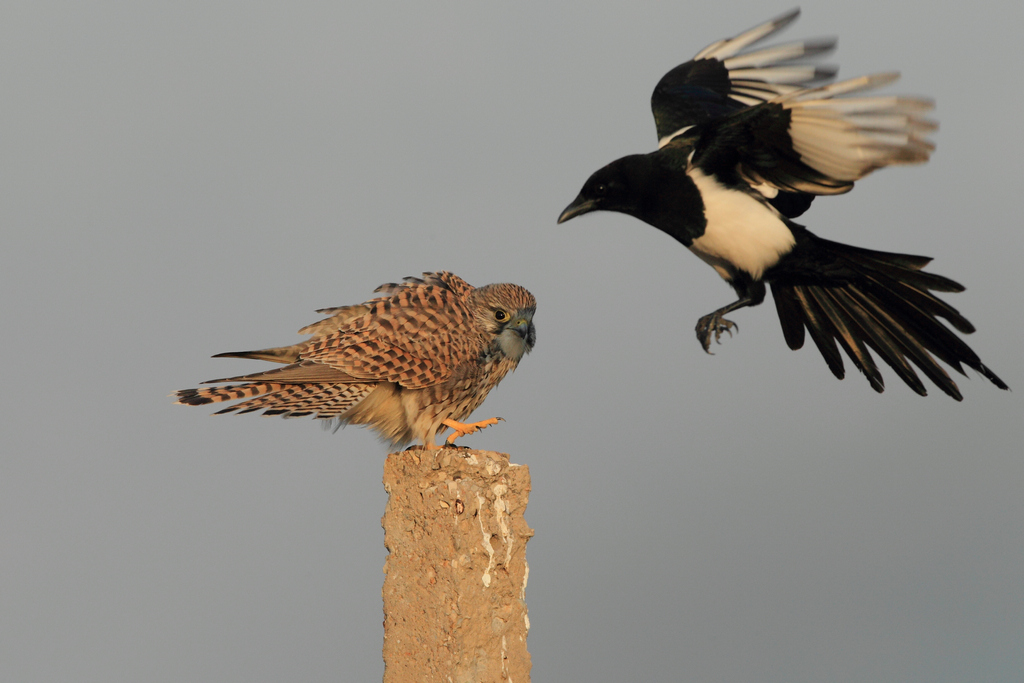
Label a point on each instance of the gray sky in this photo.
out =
(182, 179)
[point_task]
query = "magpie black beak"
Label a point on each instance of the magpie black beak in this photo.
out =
(579, 206)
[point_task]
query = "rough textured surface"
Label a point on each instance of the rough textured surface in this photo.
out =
(455, 585)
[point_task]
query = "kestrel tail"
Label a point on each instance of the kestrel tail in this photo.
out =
(410, 363)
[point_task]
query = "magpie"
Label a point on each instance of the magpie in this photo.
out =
(747, 139)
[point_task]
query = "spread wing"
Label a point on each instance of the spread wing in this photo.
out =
(725, 77)
(817, 140)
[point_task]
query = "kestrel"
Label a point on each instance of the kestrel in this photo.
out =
(746, 140)
(410, 363)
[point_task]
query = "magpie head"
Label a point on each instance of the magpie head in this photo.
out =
(619, 186)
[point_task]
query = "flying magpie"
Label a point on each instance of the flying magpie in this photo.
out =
(747, 139)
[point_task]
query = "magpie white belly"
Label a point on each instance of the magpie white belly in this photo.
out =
(741, 232)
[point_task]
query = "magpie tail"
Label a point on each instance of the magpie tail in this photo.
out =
(868, 300)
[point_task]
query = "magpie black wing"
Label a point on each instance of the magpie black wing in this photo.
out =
(816, 140)
(725, 77)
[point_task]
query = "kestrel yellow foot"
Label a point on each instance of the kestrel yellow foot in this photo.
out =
(461, 429)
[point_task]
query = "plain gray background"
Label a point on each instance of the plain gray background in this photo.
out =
(181, 179)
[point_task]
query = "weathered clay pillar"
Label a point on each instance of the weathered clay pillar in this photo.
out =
(455, 584)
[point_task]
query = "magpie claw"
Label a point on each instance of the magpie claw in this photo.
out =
(715, 324)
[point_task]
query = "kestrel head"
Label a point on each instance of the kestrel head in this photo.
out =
(506, 311)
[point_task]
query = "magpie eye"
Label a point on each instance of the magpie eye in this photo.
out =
(500, 315)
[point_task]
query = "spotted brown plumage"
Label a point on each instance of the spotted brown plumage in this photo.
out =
(410, 363)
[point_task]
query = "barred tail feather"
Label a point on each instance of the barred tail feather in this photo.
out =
(325, 401)
(200, 397)
(879, 302)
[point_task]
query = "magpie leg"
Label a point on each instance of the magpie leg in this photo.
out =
(751, 294)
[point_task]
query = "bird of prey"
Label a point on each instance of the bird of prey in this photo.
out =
(417, 359)
(747, 139)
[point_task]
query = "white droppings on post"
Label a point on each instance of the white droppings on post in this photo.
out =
(522, 593)
(500, 510)
(504, 660)
(492, 467)
(486, 541)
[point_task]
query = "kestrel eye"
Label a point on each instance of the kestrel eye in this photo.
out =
(500, 315)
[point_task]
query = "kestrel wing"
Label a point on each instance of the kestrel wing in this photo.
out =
(297, 373)
(339, 316)
(414, 338)
(445, 279)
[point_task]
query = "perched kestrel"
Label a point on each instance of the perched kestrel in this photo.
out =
(420, 358)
